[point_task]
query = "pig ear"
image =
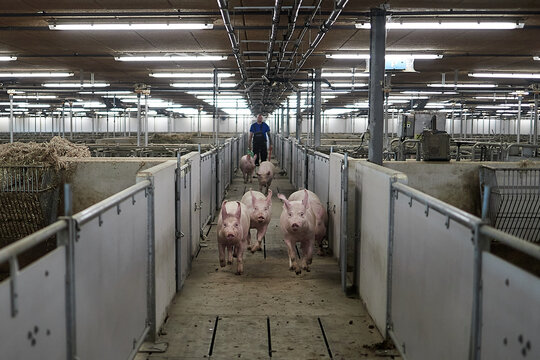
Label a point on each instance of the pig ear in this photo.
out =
(224, 209)
(305, 202)
(252, 198)
(255, 157)
(285, 201)
(238, 210)
(248, 157)
(269, 197)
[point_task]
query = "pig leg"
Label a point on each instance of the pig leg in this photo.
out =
(292, 256)
(251, 177)
(307, 254)
(221, 248)
(230, 251)
(245, 177)
(260, 234)
(240, 259)
(249, 240)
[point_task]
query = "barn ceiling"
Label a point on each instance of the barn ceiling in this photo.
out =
(91, 55)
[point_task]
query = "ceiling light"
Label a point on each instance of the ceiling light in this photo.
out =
(506, 75)
(34, 74)
(172, 58)
(105, 92)
(202, 85)
(344, 74)
(75, 85)
(393, 57)
(429, 92)
(189, 75)
(449, 25)
(8, 58)
(34, 97)
(537, 58)
(463, 85)
(132, 26)
(492, 106)
(37, 106)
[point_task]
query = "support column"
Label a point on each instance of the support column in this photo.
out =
(70, 120)
(10, 117)
(282, 126)
(145, 119)
(138, 119)
(317, 110)
(216, 120)
(288, 126)
(535, 122)
(199, 122)
(519, 118)
(298, 116)
(376, 78)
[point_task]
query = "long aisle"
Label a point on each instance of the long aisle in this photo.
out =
(267, 311)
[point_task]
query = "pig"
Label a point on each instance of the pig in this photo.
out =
(247, 166)
(265, 175)
(260, 213)
(321, 216)
(233, 233)
(298, 224)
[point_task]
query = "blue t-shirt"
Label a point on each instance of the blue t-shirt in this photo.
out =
(255, 127)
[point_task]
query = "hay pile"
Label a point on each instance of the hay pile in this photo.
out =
(171, 139)
(50, 153)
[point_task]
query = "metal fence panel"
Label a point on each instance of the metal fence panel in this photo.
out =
(334, 204)
(510, 311)
(38, 331)
(311, 171)
(195, 161)
(111, 269)
(432, 282)
(206, 189)
(321, 167)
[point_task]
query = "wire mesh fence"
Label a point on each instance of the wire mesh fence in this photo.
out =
(514, 200)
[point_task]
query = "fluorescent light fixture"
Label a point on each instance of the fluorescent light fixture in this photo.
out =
(35, 97)
(463, 85)
(172, 58)
(132, 26)
(34, 74)
(429, 92)
(537, 58)
(8, 58)
(194, 85)
(506, 75)
(37, 106)
(182, 75)
(14, 104)
(492, 106)
(89, 104)
(113, 113)
(344, 74)
(105, 92)
(75, 85)
(348, 85)
(337, 111)
(185, 111)
(394, 57)
(448, 25)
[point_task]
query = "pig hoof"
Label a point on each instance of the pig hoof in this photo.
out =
(320, 253)
(298, 271)
(228, 263)
(239, 273)
(222, 263)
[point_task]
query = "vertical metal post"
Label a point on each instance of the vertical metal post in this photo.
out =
(236, 119)
(114, 126)
(71, 120)
(535, 122)
(376, 78)
(453, 119)
(298, 116)
(11, 118)
(145, 119)
(288, 126)
(138, 119)
(385, 144)
(151, 272)
(215, 124)
(344, 207)
(63, 122)
(282, 125)
(199, 122)
(317, 110)
(107, 124)
(519, 118)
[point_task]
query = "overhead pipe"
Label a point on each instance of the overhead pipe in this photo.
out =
(292, 25)
(273, 35)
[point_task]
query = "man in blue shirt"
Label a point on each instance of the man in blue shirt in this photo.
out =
(259, 132)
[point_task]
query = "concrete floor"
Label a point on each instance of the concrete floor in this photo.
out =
(267, 298)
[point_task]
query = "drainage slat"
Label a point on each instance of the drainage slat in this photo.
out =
(325, 339)
(269, 336)
(213, 337)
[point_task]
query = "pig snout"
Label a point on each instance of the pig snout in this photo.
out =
(295, 226)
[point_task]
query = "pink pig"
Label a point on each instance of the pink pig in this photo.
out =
(247, 166)
(260, 210)
(265, 175)
(233, 233)
(321, 216)
(298, 224)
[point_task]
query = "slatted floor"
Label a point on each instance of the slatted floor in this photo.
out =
(269, 312)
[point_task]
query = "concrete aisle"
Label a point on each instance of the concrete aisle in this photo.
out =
(268, 296)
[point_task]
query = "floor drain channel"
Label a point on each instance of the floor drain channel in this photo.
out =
(325, 339)
(210, 227)
(213, 337)
(297, 252)
(269, 336)
(264, 246)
